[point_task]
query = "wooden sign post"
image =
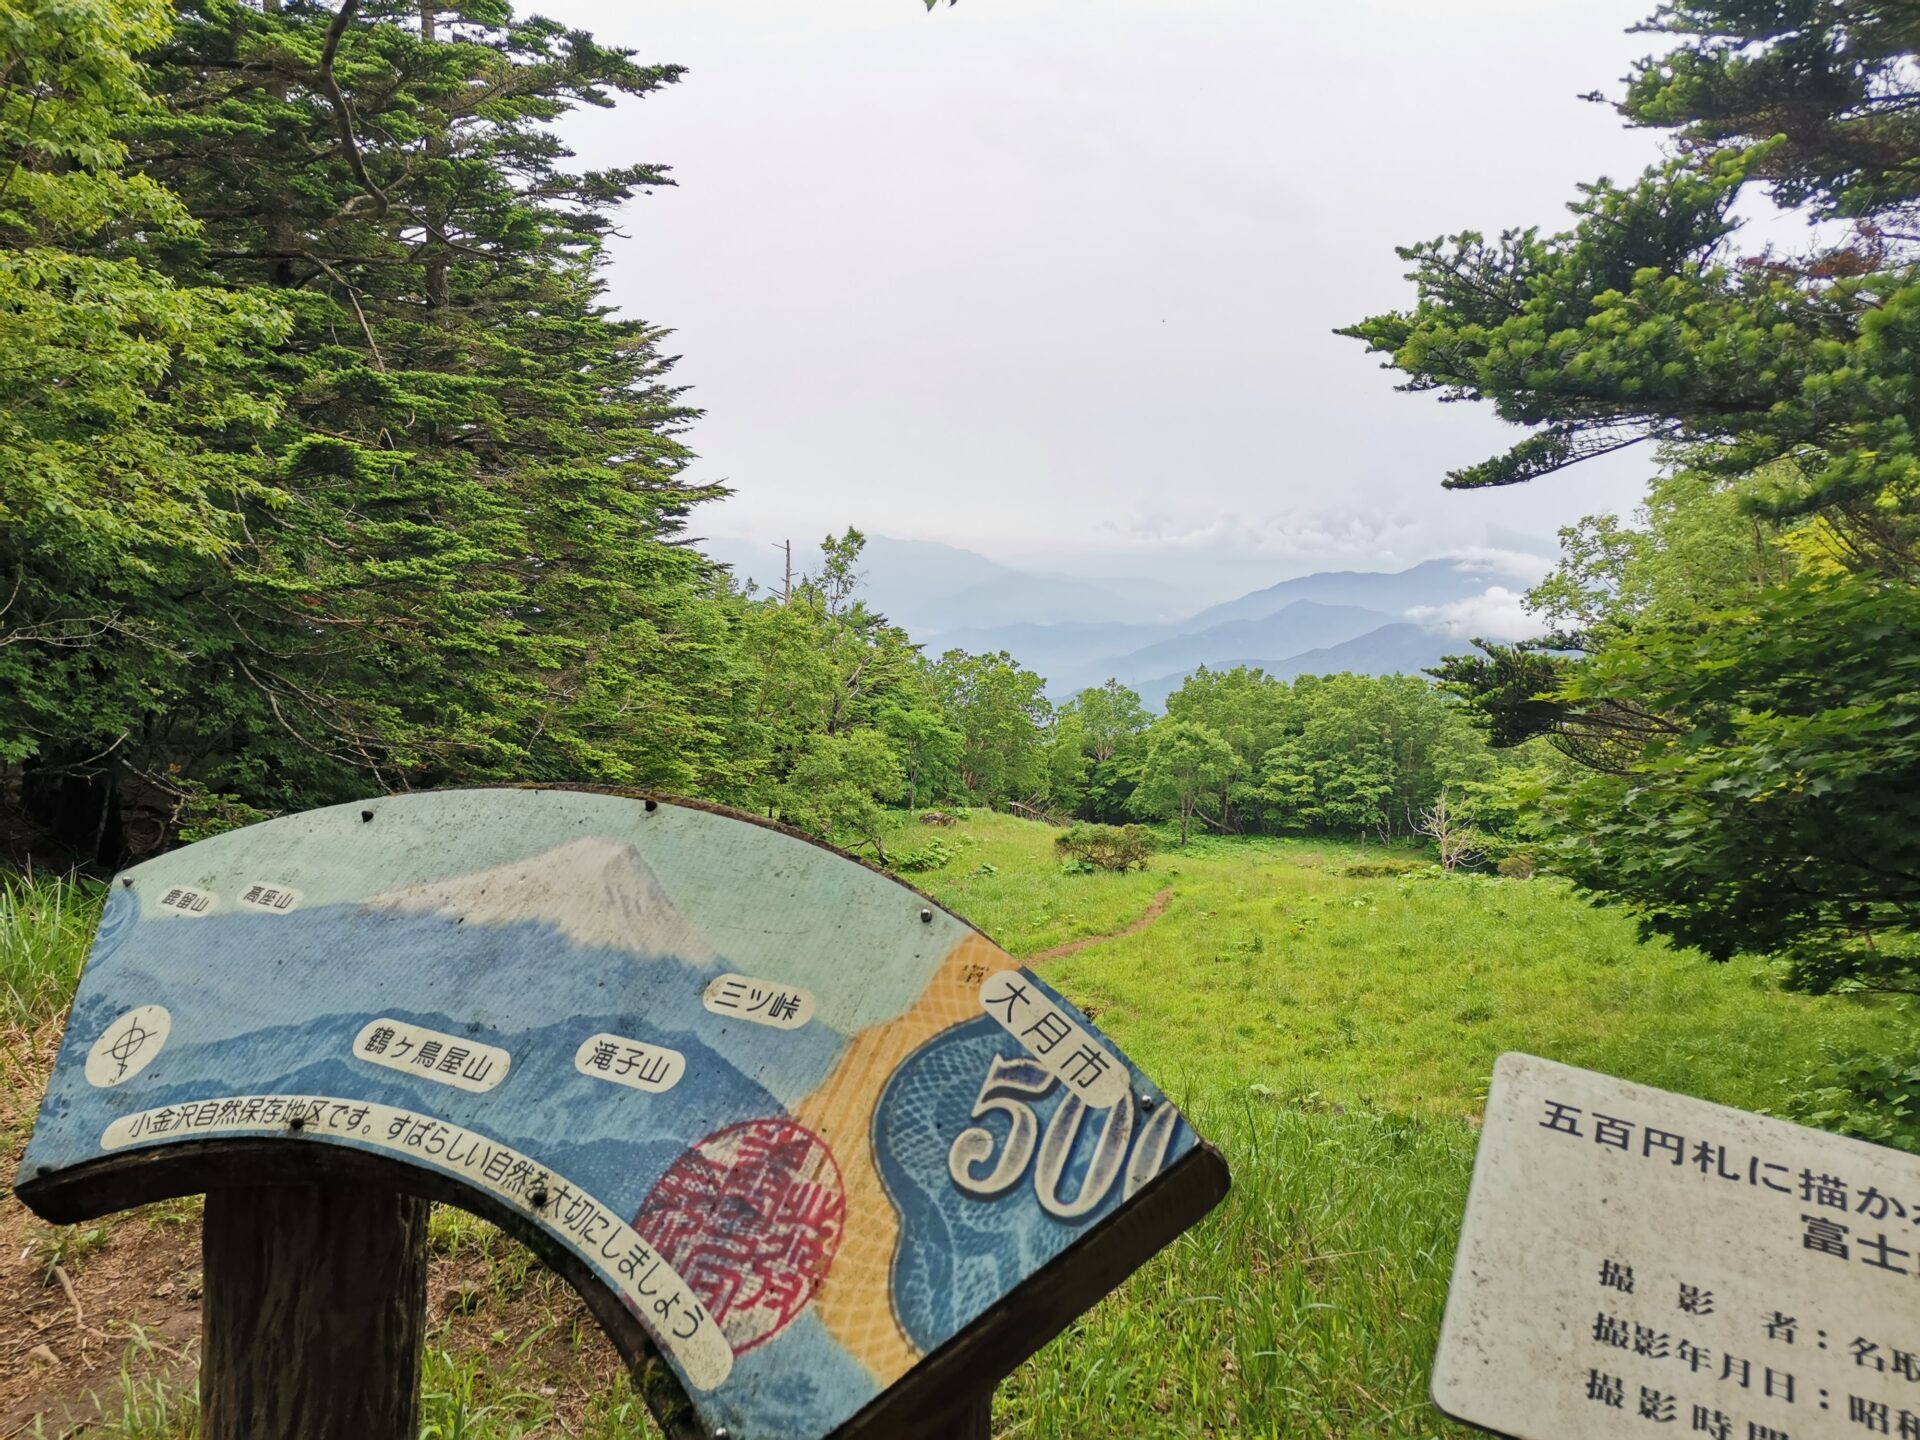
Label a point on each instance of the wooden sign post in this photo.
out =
(1637, 1263)
(820, 1158)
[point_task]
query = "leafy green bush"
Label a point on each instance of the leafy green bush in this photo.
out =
(930, 856)
(1868, 1096)
(1104, 847)
(1518, 867)
(1378, 869)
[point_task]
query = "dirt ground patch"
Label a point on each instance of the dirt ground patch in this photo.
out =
(1154, 910)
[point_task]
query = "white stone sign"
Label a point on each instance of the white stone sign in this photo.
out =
(1638, 1263)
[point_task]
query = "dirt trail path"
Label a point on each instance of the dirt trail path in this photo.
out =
(1151, 914)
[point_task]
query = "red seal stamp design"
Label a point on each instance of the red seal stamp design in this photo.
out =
(750, 1218)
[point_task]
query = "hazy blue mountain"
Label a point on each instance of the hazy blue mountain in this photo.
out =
(1434, 582)
(932, 588)
(1017, 598)
(1303, 625)
(1075, 648)
(1397, 649)
(1079, 631)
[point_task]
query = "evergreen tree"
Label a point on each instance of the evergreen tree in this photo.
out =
(128, 405)
(1732, 738)
(456, 555)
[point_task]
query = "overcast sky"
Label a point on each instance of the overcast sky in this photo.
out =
(1056, 281)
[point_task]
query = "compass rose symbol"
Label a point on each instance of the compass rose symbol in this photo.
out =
(132, 1038)
(128, 1045)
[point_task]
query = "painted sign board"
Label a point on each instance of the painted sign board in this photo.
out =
(1637, 1263)
(805, 1140)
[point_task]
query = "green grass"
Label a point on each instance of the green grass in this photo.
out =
(462, 1397)
(64, 1247)
(46, 927)
(1334, 1037)
(1026, 904)
(1332, 1034)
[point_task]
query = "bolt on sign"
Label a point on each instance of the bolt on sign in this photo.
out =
(821, 1158)
(1639, 1263)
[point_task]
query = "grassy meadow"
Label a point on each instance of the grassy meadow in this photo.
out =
(1334, 1033)
(1330, 1027)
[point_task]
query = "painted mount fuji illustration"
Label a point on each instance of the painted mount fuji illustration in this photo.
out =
(595, 891)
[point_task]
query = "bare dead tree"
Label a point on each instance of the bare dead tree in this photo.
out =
(1441, 823)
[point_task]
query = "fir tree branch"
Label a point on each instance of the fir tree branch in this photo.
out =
(331, 85)
(353, 299)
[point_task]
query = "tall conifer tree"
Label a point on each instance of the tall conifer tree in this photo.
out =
(464, 563)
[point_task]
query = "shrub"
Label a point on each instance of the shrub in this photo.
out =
(1868, 1096)
(1518, 867)
(930, 856)
(1105, 847)
(1378, 869)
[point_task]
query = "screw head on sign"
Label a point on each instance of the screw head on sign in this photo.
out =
(126, 882)
(1146, 1102)
(926, 917)
(652, 805)
(537, 1198)
(366, 816)
(298, 1122)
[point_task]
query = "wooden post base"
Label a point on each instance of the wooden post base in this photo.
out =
(973, 1420)
(313, 1312)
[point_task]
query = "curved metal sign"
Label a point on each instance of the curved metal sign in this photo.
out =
(818, 1144)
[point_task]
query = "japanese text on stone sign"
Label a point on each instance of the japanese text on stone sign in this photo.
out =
(1636, 1262)
(1830, 1216)
(270, 896)
(185, 900)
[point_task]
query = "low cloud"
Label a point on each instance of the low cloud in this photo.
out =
(1497, 613)
(1524, 565)
(1323, 535)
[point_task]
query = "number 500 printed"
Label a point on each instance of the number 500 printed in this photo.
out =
(1129, 1147)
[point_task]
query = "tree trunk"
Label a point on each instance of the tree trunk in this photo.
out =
(314, 1308)
(80, 813)
(439, 290)
(281, 235)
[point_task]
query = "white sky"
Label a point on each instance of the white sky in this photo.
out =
(1056, 281)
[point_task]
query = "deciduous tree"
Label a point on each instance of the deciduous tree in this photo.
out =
(1185, 761)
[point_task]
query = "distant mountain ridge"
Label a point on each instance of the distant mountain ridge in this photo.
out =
(1081, 632)
(1432, 582)
(1400, 648)
(1294, 627)
(927, 586)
